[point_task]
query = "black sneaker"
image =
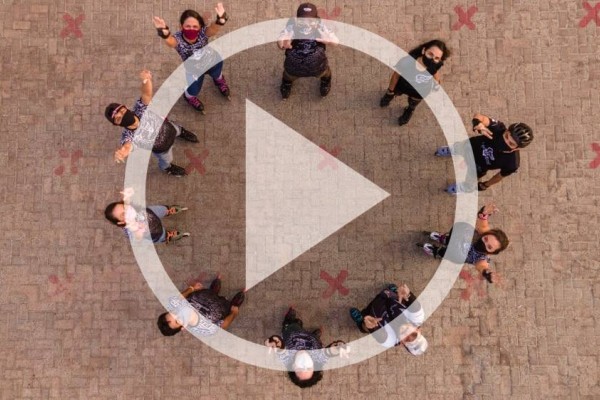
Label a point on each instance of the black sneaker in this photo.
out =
(176, 171)
(285, 89)
(238, 299)
(405, 117)
(189, 136)
(290, 314)
(325, 86)
(386, 99)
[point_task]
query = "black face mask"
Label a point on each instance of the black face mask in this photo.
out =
(480, 246)
(499, 143)
(432, 66)
(128, 119)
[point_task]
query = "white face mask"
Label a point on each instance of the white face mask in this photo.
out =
(303, 361)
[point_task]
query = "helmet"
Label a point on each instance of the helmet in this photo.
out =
(521, 133)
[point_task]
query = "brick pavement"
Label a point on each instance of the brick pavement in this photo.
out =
(77, 320)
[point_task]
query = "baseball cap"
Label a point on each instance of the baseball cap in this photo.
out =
(307, 10)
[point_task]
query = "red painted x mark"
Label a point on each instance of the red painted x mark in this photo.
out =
(473, 285)
(596, 147)
(336, 12)
(464, 18)
(60, 286)
(72, 26)
(75, 157)
(591, 15)
(335, 284)
(196, 162)
(329, 157)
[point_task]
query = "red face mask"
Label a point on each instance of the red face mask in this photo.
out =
(190, 34)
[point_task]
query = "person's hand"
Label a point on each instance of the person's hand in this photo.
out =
(326, 37)
(127, 194)
(159, 23)
(490, 209)
(274, 342)
(197, 286)
(235, 310)
(122, 153)
(338, 348)
(483, 130)
(145, 76)
(371, 322)
(285, 44)
(403, 292)
(220, 10)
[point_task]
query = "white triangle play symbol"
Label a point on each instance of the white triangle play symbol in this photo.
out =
(296, 194)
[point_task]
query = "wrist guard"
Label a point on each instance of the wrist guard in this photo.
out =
(222, 19)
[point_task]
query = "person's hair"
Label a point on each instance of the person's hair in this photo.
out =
(108, 212)
(313, 380)
(191, 14)
(164, 327)
(502, 238)
(417, 51)
(110, 109)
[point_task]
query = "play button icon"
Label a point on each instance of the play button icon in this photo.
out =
(296, 194)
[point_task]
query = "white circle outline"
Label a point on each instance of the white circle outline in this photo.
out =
(358, 39)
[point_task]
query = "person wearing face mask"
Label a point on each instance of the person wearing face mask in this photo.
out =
(302, 351)
(389, 304)
(192, 37)
(477, 252)
(496, 148)
(304, 40)
(202, 312)
(420, 73)
(152, 132)
(143, 224)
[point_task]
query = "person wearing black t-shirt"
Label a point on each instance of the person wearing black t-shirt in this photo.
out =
(420, 70)
(389, 304)
(497, 148)
(304, 41)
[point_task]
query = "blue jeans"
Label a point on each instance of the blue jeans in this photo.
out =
(165, 159)
(161, 212)
(196, 84)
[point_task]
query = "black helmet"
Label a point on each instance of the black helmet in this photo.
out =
(521, 133)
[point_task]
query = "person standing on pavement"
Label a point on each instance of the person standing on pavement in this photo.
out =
(202, 312)
(477, 252)
(141, 224)
(151, 132)
(420, 70)
(302, 351)
(193, 35)
(304, 40)
(496, 148)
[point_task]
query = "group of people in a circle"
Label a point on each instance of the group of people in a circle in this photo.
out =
(305, 40)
